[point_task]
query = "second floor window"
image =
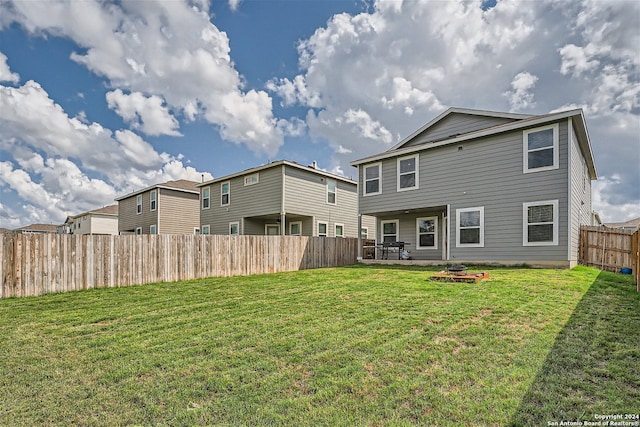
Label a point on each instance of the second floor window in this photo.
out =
(372, 183)
(139, 204)
(541, 148)
(206, 197)
(224, 194)
(252, 179)
(152, 202)
(407, 173)
(331, 191)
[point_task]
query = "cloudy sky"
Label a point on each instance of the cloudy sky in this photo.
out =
(98, 99)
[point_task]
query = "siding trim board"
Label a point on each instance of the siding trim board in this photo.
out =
(570, 162)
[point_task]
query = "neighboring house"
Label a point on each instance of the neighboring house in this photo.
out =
(167, 208)
(483, 186)
(97, 221)
(632, 224)
(37, 229)
(282, 198)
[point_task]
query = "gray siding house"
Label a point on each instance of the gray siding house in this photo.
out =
(167, 208)
(282, 198)
(482, 186)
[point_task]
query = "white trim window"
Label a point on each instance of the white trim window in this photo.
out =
(470, 227)
(541, 148)
(408, 173)
(206, 197)
(196, 230)
(272, 229)
(153, 200)
(364, 232)
(206, 229)
(427, 232)
(295, 228)
(153, 229)
(225, 190)
(331, 191)
(323, 229)
(540, 223)
(389, 230)
(138, 230)
(339, 230)
(138, 204)
(372, 179)
(252, 179)
(234, 228)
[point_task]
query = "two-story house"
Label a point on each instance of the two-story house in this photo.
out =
(482, 186)
(282, 198)
(171, 207)
(97, 221)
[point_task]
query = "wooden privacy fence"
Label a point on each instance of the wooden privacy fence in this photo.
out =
(36, 264)
(610, 249)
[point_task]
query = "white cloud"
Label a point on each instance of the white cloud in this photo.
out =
(292, 127)
(400, 66)
(8, 217)
(294, 91)
(620, 211)
(521, 97)
(381, 75)
(162, 49)
(65, 165)
(234, 4)
(367, 128)
(6, 75)
(147, 114)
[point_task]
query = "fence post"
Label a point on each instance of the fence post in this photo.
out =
(635, 253)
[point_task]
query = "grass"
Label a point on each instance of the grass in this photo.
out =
(344, 346)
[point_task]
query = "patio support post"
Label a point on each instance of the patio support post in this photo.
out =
(359, 237)
(283, 218)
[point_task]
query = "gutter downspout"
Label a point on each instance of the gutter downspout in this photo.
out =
(359, 257)
(448, 232)
(283, 216)
(158, 211)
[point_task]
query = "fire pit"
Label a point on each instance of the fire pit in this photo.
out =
(459, 273)
(458, 270)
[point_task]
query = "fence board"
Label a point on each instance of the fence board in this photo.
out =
(36, 264)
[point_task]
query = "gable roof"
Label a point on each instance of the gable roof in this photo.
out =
(106, 210)
(41, 228)
(455, 110)
(523, 122)
(179, 185)
(632, 223)
(277, 163)
(111, 210)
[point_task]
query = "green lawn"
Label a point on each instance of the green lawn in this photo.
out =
(343, 346)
